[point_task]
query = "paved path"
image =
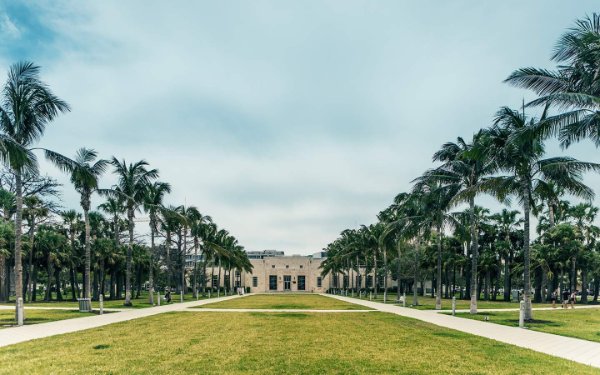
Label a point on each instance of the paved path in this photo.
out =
(207, 309)
(577, 350)
(577, 307)
(14, 335)
(5, 307)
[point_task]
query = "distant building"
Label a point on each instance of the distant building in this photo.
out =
(264, 254)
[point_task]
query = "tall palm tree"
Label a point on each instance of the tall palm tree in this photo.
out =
(507, 222)
(437, 198)
(519, 152)
(465, 165)
(35, 211)
(198, 226)
(574, 86)
(26, 108)
(71, 219)
(153, 204)
(84, 172)
(133, 179)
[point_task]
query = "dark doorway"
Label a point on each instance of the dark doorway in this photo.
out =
(301, 282)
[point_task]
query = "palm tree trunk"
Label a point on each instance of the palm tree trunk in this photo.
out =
(526, 255)
(183, 255)
(151, 266)
(375, 281)
(30, 265)
(128, 259)
(72, 277)
(18, 235)
(169, 265)
(88, 256)
(438, 296)
(196, 245)
(416, 274)
(474, 255)
(219, 281)
(573, 280)
(385, 273)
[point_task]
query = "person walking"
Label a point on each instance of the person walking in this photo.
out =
(565, 298)
(554, 297)
(572, 298)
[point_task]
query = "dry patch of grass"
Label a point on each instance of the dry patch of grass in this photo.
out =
(285, 301)
(276, 343)
(578, 323)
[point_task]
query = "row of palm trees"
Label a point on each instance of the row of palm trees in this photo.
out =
(27, 107)
(506, 160)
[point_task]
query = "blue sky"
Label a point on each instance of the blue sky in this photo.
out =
(286, 121)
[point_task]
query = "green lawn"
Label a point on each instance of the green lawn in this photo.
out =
(7, 317)
(285, 301)
(138, 303)
(276, 343)
(579, 323)
(428, 303)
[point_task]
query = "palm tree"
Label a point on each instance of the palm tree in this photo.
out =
(437, 199)
(198, 226)
(133, 180)
(572, 86)
(518, 150)
(27, 106)
(153, 204)
(35, 209)
(114, 207)
(84, 170)
(507, 223)
(465, 166)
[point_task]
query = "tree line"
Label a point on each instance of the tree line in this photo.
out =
(423, 234)
(93, 251)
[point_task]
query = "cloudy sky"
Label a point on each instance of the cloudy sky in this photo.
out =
(285, 121)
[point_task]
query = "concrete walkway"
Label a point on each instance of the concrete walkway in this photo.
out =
(14, 335)
(577, 307)
(207, 309)
(577, 350)
(4, 307)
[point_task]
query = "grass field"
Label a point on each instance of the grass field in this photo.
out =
(137, 303)
(285, 301)
(428, 303)
(275, 343)
(7, 317)
(579, 323)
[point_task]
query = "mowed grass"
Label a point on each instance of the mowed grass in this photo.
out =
(578, 323)
(428, 303)
(7, 317)
(285, 301)
(276, 343)
(137, 303)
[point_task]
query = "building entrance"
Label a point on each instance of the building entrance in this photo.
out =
(287, 282)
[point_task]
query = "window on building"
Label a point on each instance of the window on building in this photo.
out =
(301, 266)
(346, 281)
(273, 282)
(215, 281)
(287, 266)
(254, 281)
(319, 282)
(369, 281)
(273, 266)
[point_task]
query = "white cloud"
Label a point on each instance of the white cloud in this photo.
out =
(8, 27)
(286, 122)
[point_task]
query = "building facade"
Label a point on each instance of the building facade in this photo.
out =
(294, 273)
